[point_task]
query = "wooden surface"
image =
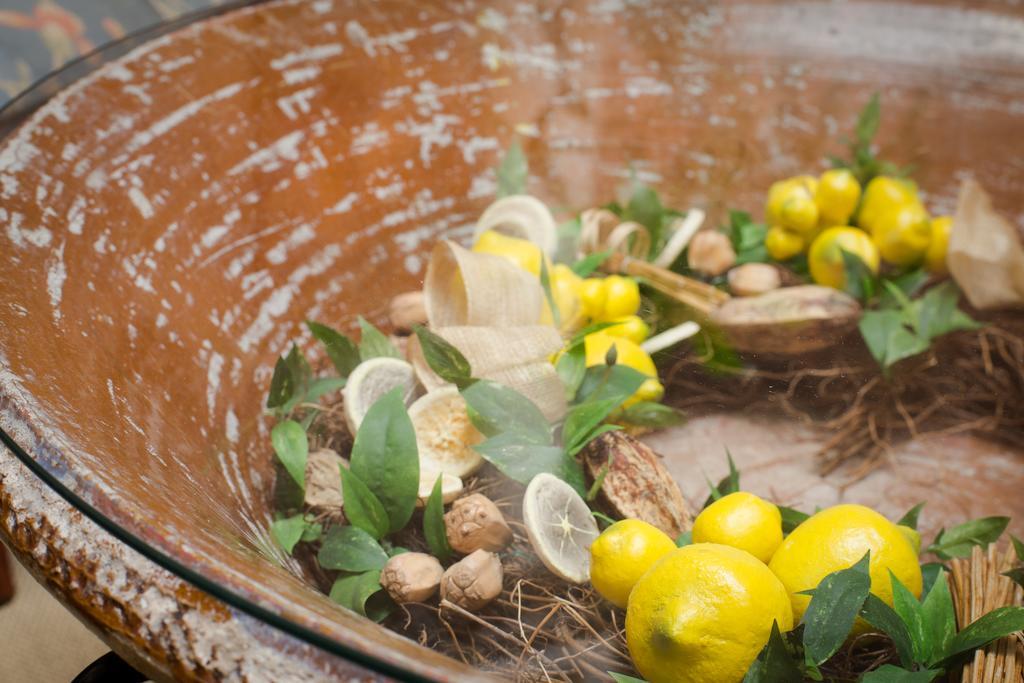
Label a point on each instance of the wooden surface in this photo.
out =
(167, 225)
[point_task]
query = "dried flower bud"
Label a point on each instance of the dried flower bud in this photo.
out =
(752, 279)
(475, 523)
(474, 581)
(710, 253)
(411, 577)
(407, 310)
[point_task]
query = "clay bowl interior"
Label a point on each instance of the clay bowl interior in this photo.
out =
(167, 223)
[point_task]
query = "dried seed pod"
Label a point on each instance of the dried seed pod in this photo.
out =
(752, 279)
(475, 523)
(474, 581)
(710, 253)
(788, 321)
(407, 310)
(323, 481)
(636, 484)
(411, 577)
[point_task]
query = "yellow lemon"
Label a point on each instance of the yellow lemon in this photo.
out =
(592, 296)
(741, 520)
(628, 353)
(935, 256)
(903, 234)
(702, 614)
(783, 244)
(836, 538)
(791, 204)
(631, 327)
(825, 257)
(565, 292)
(622, 554)
(837, 196)
(622, 297)
(523, 253)
(800, 214)
(912, 535)
(883, 194)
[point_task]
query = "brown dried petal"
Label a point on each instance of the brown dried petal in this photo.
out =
(323, 481)
(636, 484)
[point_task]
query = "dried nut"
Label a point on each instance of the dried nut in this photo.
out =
(475, 523)
(752, 279)
(323, 481)
(636, 484)
(411, 577)
(407, 310)
(710, 253)
(472, 582)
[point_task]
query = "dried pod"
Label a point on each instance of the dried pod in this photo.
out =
(411, 577)
(636, 483)
(474, 581)
(407, 310)
(323, 481)
(752, 279)
(788, 321)
(475, 523)
(710, 253)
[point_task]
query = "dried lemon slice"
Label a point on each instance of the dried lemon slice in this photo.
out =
(444, 435)
(560, 527)
(372, 379)
(451, 486)
(521, 216)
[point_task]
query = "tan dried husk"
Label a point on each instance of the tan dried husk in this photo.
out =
(985, 255)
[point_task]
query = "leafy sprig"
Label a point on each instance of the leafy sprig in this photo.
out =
(863, 161)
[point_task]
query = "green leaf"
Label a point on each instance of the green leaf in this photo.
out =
(322, 386)
(791, 518)
(930, 572)
(651, 414)
(938, 313)
(909, 610)
(299, 368)
(312, 532)
(444, 359)
(288, 531)
(433, 524)
(623, 678)
(374, 343)
(350, 549)
(835, 604)
(1018, 547)
(494, 409)
(867, 122)
(747, 238)
(908, 284)
(729, 484)
(571, 367)
(545, 285)
(775, 663)
(602, 381)
(998, 623)
(886, 620)
(292, 449)
(282, 386)
(385, 458)
(523, 460)
(342, 351)
(582, 420)
(958, 541)
(938, 620)
(1016, 575)
(589, 263)
(685, 539)
(354, 592)
(910, 518)
(860, 280)
(361, 507)
(887, 673)
(888, 338)
(513, 171)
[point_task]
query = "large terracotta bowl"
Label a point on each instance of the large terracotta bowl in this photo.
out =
(168, 222)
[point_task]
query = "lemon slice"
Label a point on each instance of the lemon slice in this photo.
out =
(560, 527)
(372, 379)
(451, 486)
(521, 216)
(444, 435)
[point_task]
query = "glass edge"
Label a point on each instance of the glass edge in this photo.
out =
(12, 115)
